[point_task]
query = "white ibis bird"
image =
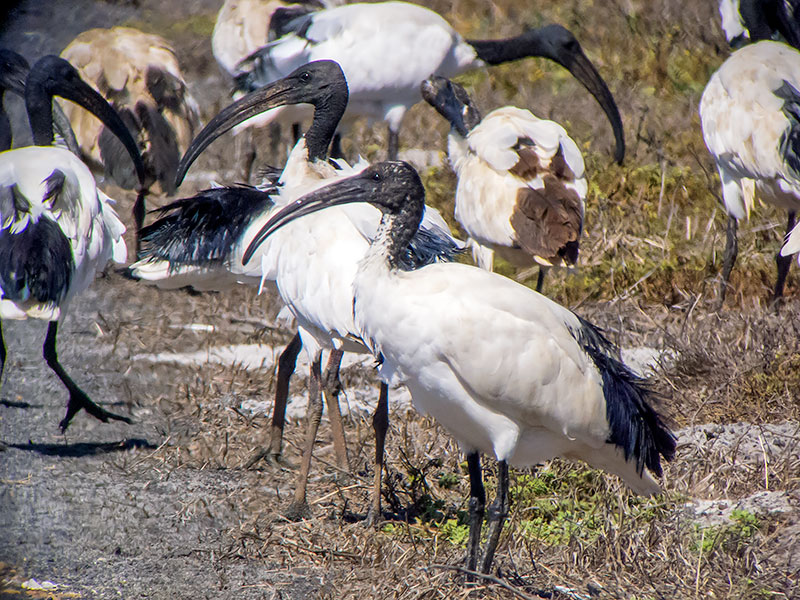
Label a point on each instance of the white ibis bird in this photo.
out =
(521, 184)
(56, 228)
(749, 112)
(505, 370)
(387, 49)
(746, 21)
(316, 288)
(139, 74)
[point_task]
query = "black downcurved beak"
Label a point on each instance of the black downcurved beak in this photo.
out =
(277, 94)
(83, 94)
(583, 70)
(437, 92)
(344, 191)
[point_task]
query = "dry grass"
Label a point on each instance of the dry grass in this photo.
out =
(648, 275)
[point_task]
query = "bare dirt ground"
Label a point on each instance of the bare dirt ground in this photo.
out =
(164, 508)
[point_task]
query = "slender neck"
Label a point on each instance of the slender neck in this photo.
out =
(39, 103)
(396, 230)
(328, 111)
(495, 52)
(5, 126)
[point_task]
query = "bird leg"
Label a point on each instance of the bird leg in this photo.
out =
(336, 146)
(2, 353)
(299, 508)
(297, 132)
(77, 397)
(783, 263)
(498, 511)
(138, 218)
(331, 386)
(394, 144)
(286, 365)
(380, 424)
(540, 279)
(729, 258)
(477, 504)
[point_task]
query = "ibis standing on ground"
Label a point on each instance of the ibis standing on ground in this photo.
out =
(387, 49)
(139, 74)
(314, 262)
(521, 184)
(750, 114)
(505, 370)
(56, 228)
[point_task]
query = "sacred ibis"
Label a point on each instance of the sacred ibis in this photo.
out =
(505, 370)
(746, 21)
(387, 49)
(139, 74)
(297, 262)
(750, 114)
(521, 183)
(56, 228)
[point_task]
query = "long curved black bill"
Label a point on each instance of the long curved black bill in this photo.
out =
(73, 88)
(254, 103)
(583, 70)
(343, 191)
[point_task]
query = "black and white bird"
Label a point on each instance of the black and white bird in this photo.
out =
(750, 115)
(57, 229)
(506, 371)
(387, 49)
(139, 74)
(313, 263)
(521, 183)
(745, 21)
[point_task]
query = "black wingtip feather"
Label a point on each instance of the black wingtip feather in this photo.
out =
(789, 144)
(635, 426)
(204, 229)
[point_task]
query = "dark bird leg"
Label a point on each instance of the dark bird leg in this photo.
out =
(394, 145)
(138, 218)
(77, 397)
(286, 365)
(498, 511)
(296, 132)
(783, 263)
(331, 386)
(540, 279)
(2, 353)
(729, 258)
(477, 504)
(336, 147)
(380, 424)
(299, 508)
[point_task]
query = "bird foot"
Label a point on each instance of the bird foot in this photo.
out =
(273, 459)
(297, 511)
(79, 400)
(373, 519)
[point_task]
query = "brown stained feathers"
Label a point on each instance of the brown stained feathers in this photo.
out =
(138, 74)
(528, 166)
(548, 221)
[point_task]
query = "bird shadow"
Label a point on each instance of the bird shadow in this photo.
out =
(12, 404)
(81, 449)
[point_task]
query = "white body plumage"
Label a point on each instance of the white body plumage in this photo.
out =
(83, 213)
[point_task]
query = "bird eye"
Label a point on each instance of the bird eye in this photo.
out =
(376, 177)
(305, 76)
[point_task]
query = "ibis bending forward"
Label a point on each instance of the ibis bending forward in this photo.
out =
(505, 370)
(387, 49)
(750, 113)
(56, 228)
(139, 74)
(521, 183)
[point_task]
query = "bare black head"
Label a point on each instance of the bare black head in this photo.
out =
(13, 71)
(320, 83)
(763, 19)
(560, 45)
(452, 102)
(54, 76)
(392, 186)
